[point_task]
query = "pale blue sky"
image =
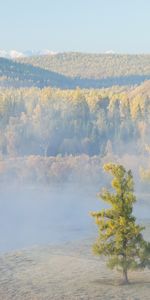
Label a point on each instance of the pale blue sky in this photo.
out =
(78, 25)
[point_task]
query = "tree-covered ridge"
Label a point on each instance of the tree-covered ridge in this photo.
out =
(141, 90)
(15, 74)
(96, 66)
(21, 74)
(51, 122)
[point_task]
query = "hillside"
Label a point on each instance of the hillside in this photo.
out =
(15, 74)
(142, 90)
(95, 66)
(70, 70)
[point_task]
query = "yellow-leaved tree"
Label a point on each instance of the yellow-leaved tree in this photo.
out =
(120, 237)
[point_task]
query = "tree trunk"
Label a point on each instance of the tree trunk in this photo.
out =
(45, 150)
(125, 277)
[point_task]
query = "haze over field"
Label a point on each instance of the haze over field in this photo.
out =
(53, 145)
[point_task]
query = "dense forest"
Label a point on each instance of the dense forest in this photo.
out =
(51, 134)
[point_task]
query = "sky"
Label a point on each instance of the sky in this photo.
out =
(93, 26)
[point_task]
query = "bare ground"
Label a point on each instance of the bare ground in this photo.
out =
(67, 272)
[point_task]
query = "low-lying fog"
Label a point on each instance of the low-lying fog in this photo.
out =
(38, 216)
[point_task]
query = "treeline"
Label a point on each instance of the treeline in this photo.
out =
(50, 170)
(83, 170)
(52, 122)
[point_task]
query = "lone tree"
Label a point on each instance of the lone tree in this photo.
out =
(120, 238)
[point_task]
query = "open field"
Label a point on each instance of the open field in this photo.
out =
(69, 272)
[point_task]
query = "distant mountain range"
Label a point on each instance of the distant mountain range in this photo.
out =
(12, 54)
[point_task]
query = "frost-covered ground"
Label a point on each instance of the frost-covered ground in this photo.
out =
(68, 272)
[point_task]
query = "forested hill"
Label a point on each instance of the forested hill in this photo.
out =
(15, 74)
(93, 66)
(69, 71)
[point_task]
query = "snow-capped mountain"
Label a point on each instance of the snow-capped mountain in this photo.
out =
(110, 52)
(16, 54)
(38, 52)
